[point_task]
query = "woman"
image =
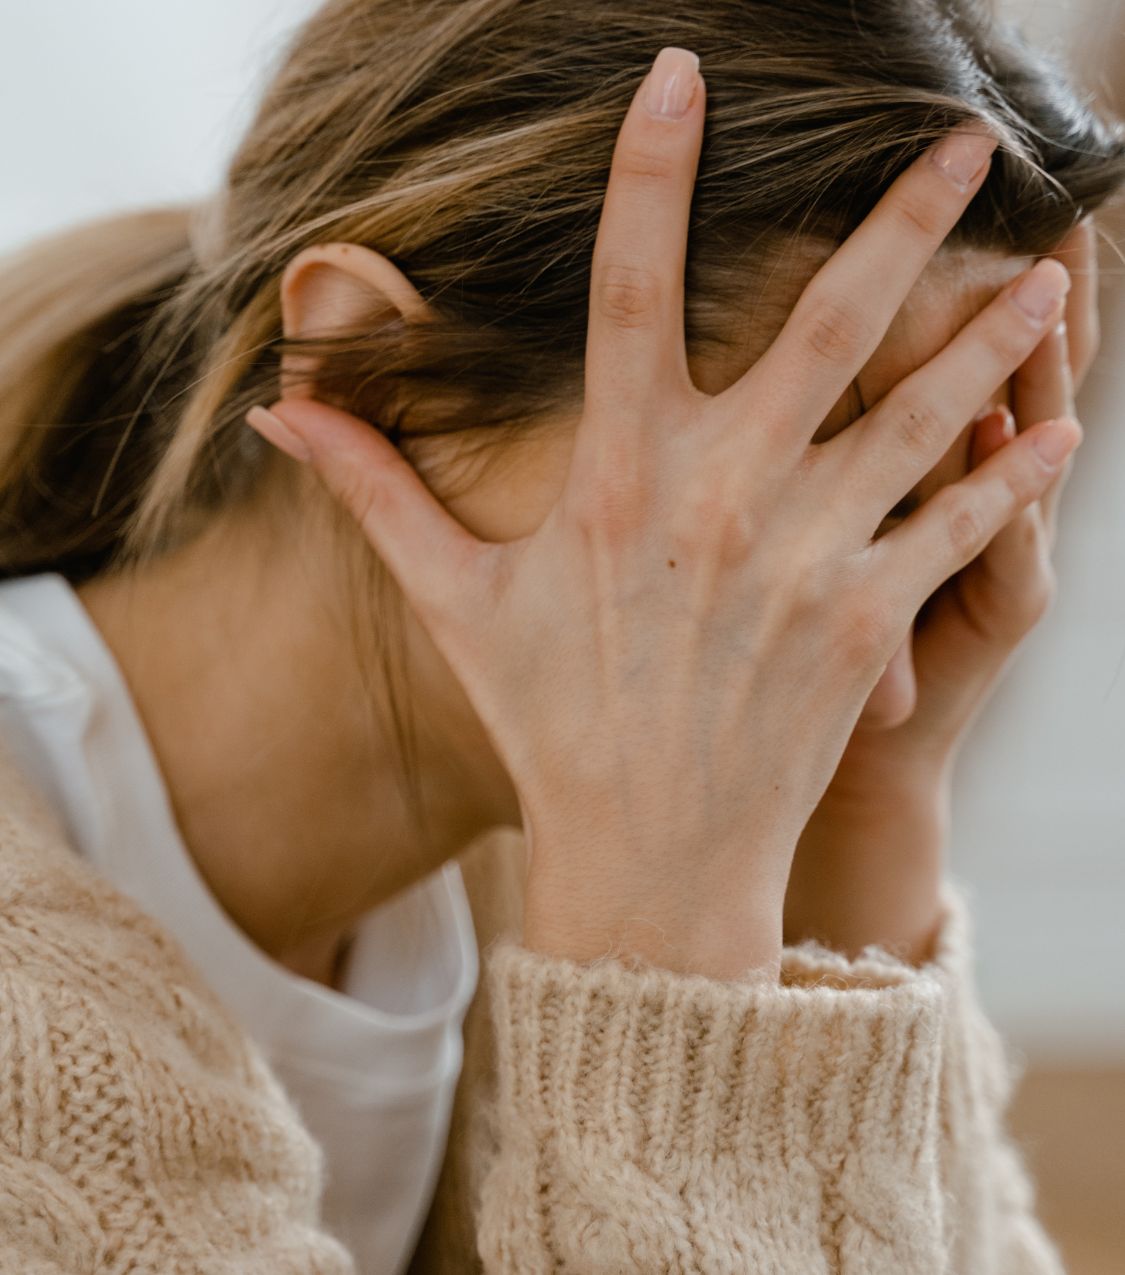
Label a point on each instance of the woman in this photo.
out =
(649, 600)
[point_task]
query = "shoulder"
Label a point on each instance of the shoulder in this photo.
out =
(57, 913)
(76, 952)
(126, 1090)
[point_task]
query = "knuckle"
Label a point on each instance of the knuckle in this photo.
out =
(965, 525)
(812, 593)
(629, 296)
(1016, 608)
(918, 217)
(1008, 607)
(734, 533)
(715, 519)
(1023, 483)
(1025, 478)
(646, 165)
(1032, 540)
(1010, 339)
(919, 426)
(612, 507)
(835, 329)
(866, 631)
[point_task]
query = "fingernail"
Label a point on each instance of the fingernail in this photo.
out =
(1007, 423)
(1038, 294)
(671, 83)
(1054, 442)
(275, 429)
(962, 157)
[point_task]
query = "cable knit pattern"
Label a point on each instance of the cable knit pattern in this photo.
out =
(140, 1131)
(847, 1120)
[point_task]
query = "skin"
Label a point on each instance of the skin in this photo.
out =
(646, 856)
(853, 882)
(237, 640)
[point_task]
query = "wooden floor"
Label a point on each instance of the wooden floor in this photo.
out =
(1071, 1126)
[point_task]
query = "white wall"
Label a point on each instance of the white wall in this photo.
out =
(124, 102)
(1040, 819)
(133, 101)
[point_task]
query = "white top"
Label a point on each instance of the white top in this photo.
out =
(372, 1067)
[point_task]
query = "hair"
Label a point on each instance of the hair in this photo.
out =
(469, 141)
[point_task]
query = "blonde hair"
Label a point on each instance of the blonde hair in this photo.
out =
(469, 141)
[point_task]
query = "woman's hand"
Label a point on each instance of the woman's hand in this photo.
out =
(670, 666)
(869, 864)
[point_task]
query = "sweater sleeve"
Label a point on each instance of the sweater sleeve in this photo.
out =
(846, 1119)
(991, 1224)
(140, 1130)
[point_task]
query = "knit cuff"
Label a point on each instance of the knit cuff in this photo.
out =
(988, 1197)
(979, 1070)
(815, 1094)
(976, 1065)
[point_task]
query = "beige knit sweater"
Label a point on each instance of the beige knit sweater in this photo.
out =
(846, 1120)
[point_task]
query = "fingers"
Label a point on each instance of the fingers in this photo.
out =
(845, 311)
(1041, 385)
(992, 431)
(635, 338)
(1042, 389)
(426, 550)
(957, 523)
(901, 439)
(1007, 589)
(1079, 253)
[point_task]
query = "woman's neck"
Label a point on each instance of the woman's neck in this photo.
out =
(243, 673)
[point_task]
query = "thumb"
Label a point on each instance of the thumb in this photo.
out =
(424, 547)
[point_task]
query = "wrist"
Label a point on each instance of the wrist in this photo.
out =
(707, 903)
(876, 771)
(870, 864)
(724, 934)
(899, 915)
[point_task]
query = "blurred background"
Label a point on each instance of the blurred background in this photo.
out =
(127, 103)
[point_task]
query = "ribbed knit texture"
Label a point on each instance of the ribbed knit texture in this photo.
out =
(846, 1120)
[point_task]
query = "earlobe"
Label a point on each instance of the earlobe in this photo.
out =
(329, 289)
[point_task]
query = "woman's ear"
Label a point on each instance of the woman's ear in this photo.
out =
(327, 290)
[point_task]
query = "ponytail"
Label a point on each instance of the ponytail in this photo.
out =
(75, 452)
